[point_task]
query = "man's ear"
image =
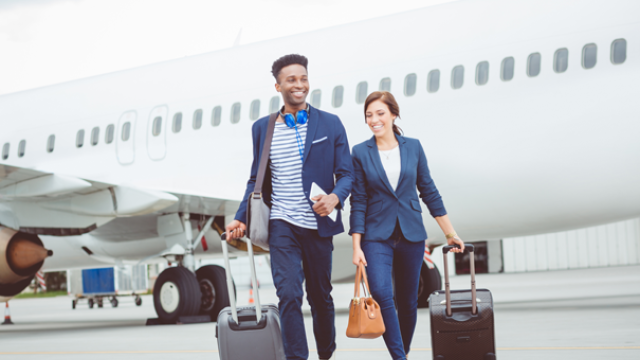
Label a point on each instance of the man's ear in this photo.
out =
(277, 87)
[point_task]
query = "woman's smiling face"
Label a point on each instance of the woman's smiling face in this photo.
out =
(379, 118)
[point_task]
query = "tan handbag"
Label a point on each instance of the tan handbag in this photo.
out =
(365, 318)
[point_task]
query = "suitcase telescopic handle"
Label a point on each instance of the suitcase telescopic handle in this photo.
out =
(254, 279)
(468, 248)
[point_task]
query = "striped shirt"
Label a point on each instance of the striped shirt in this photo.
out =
(288, 201)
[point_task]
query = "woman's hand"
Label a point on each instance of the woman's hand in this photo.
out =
(456, 241)
(358, 256)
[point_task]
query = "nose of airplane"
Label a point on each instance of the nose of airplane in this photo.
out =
(23, 254)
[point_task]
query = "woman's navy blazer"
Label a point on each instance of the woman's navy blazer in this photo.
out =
(375, 207)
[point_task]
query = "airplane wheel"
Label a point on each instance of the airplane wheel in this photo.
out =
(430, 281)
(114, 302)
(100, 303)
(91, 302)
(138, 301)
(176, 293)
(213, 286)
(73, 304)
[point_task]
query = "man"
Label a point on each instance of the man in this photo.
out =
(300, 232)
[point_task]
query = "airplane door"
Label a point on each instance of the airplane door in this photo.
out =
(125, 137)
(156, 133)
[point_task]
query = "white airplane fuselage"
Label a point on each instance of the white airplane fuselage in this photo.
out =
(552, 152)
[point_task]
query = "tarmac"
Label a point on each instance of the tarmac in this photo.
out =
(570, 314)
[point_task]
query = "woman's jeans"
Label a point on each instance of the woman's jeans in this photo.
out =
(400, 259)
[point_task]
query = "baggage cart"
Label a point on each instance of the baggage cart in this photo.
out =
(96, 285)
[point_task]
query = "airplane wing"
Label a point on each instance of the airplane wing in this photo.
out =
(45, 203)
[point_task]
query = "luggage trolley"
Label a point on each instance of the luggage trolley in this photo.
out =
(97, 284)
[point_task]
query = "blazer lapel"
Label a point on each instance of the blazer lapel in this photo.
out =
(312, 126)
(375, 157)
(403, 157)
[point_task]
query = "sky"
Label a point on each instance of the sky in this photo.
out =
(45, 42)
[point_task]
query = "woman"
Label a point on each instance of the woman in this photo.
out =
(386, 217)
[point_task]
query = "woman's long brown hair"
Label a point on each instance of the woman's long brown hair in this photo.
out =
(387, 98)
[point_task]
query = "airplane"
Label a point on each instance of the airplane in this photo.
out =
(526, 111)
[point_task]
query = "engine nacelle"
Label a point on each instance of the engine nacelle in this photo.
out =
(21, 256)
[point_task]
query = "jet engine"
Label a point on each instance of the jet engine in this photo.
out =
(21, 256)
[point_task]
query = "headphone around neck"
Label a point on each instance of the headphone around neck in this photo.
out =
(300, 118)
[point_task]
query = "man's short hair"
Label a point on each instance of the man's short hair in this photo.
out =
(286, 61)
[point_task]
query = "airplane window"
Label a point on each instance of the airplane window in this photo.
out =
(176, 127)
(589, 56)
(533, 65)
(235, 113)
(254, 110)
(410, 82)
(336, 100)
(5, 151)
(22, 147)
(126, 131)
(457, 77)
(316, 97)
(385, 84)
(156, 127)
(433, 81)
(51, 142)
(561, 60)
(216, 116)
(80, 138)
(482, 73)
(197, 119)
(506, 71)
(95, 135)
(361, 92)
(108, 136)
(618, 51)
(274, 104)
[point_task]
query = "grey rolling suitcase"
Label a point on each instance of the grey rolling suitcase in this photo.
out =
(462, 325)
(243, 333)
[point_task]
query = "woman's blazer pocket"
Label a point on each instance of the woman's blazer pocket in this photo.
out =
(374, 208)
(415, 204)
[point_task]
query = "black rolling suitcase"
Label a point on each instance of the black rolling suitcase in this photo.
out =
(242, 335)
(462, 325)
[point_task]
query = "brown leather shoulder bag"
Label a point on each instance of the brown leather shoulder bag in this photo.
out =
(365, 318)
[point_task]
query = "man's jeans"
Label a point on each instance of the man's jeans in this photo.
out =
(299, 254)
(400, 259)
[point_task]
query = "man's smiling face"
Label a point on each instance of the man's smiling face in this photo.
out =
(293, 83)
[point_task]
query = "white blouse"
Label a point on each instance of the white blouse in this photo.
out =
(391, 164)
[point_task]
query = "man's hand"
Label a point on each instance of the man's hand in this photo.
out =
(325, 204)
(235, 230)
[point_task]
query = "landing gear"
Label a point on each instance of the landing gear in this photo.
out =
(114, 302)
(175, 294)
(91, 302)
(138, 300)
(100, 303)
(213, 286)
(430, 281)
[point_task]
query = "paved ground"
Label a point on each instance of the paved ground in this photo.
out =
(576, 314)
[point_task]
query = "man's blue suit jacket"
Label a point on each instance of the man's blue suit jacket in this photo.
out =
(376, 207)
(326, 153)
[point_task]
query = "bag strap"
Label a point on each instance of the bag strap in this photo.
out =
(361, 278)
(264, 158)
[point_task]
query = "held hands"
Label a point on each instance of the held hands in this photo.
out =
(453, 240)
(235, 230)
(325, 204)
(358, 257)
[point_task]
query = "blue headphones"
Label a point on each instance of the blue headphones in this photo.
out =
(300, 118)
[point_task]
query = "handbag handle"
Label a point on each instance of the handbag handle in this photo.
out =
(264, 158)
(361, 278)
